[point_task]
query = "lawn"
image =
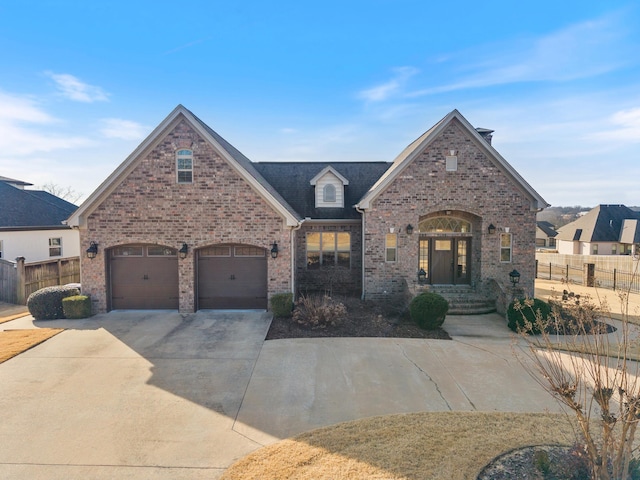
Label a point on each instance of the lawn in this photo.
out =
(13, 342)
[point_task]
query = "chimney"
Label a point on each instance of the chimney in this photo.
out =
(486, 134)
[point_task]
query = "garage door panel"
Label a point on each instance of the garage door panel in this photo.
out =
(232, 282)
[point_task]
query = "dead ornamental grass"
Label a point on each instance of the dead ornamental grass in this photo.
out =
(434, 445)
(13, 342)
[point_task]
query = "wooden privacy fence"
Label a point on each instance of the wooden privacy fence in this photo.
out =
(19, 280)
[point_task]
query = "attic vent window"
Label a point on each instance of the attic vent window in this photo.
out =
(452, 163)
(329, 193)
(184, 166)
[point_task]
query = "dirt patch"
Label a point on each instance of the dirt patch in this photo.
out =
(364, 319)
(13, 342)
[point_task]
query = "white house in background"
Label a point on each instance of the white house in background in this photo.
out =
(545, 235)
(31, 224)
(604, 230)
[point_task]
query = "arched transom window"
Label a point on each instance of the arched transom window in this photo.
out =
(444, 225)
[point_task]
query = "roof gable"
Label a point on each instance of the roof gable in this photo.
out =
(237, 160)
(329, 169)
(419, 145)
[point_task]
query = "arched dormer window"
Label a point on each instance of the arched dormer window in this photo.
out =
(184, 166)
(329, 193)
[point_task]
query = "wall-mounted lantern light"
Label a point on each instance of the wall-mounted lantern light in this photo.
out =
(183, 250)
(422, 275)
(274, 250)
(92, 251)
(409, 229)
(514, 276)
(492, 229)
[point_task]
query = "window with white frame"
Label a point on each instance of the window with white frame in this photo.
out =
(594, 249)
(505, 247)
(328, 249)
(184, 166)
(391, 247)
(329, 193)
(55, 247)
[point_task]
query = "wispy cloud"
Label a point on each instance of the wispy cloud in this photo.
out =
(21, 122)
(626, 126)
(122, 129)
(186, 45)
(74, 89)
(578, 51)
(385, 90)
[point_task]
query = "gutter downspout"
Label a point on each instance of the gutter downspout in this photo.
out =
(293, 255)
(361, 212)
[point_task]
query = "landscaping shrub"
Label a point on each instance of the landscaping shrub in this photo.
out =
(429, 310)
(46, 303)
(316, 311)
(282, 304)
(528, 314)
(77, 306)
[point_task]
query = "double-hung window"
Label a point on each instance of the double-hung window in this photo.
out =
(391, 247)
(55, 247)
(505, 247)
(184, 166)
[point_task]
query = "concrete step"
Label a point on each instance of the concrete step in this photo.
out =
(464, 300)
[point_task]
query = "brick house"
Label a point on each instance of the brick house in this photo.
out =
(188, 222)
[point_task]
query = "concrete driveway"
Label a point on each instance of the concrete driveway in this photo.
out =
(156, 395)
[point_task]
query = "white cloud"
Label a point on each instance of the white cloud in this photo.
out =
(578, 51)
(627, 126)
(122, 129)
(74, 89)
(387, 89)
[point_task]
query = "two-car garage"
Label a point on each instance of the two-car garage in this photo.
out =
(229, 276)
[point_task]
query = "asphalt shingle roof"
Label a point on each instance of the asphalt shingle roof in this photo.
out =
(600, 224)
(31, 208)
(293, 181)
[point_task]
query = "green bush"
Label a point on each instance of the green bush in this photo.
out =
(46, 303)
(282, 304)
(429, 310)
(77, 306)
(525, 313)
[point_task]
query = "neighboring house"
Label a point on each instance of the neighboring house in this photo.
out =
(604, 230)
(188, 222)
(31, 224)
(545, 235)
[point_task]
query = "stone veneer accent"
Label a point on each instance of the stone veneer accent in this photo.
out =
(149, 206)
(478, 191)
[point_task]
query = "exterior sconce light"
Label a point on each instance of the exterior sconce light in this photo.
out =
(183, 250)
(92, 251)
(274, 250)
(492, 229)
(409, 229)
(514, 276)
(422, 275)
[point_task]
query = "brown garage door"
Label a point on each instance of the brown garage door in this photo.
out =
(232, 276)
(144, 277)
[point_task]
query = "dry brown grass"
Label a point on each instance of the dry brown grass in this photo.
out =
(434, 445)
(13, 342)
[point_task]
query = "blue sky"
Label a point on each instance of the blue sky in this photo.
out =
(83, 83)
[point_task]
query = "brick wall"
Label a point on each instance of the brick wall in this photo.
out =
(478, 191)
(148, 206)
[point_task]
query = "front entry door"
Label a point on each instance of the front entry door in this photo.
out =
(446, 260)
(442, 261)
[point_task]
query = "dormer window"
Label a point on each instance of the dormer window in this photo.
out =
(329, 188)
(329, 193)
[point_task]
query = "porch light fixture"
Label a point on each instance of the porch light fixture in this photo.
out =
(274, 250)
(492, 229)
(422, 275)
(183, 250)
(409, 229)
(92, 251)
(514, 276)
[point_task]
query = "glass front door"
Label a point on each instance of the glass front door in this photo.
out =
(446, 260)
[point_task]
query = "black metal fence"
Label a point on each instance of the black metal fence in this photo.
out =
(615, 279)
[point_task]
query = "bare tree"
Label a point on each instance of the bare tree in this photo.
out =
(596, 381)
(66, 193)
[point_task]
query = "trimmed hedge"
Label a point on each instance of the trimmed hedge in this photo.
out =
(46, 303)
(522, 314)
(77, 306)
(429, 310)
(282, 304)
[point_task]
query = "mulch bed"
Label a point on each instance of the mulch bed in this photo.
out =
(364, 319)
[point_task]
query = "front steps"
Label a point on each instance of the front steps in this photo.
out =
(463, 299)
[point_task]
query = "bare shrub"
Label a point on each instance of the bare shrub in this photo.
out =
(596, 381)
(316, 311)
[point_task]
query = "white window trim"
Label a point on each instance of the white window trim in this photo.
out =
(510, 248)
(329, 193)
(58, 246)
(387, 247)
(182, 156)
